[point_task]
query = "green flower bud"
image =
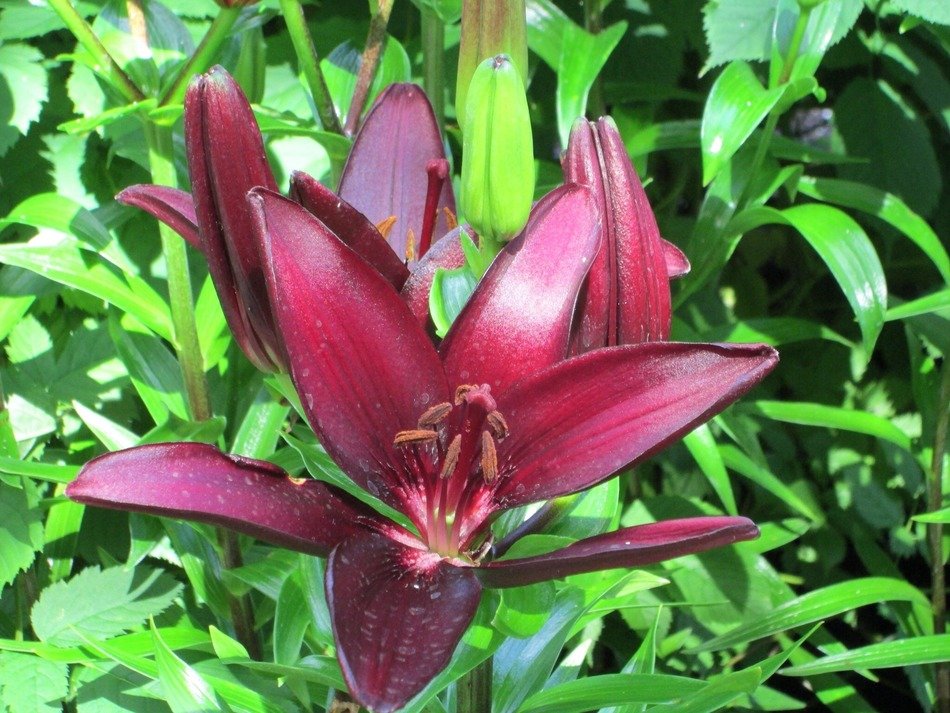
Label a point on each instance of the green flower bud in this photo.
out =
(489, 28)
(498, 160)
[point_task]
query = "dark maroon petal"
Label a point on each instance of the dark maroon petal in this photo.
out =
(628, 292)
(582, 420)
(398, 613)
(518, 321)
(446, 253)
(628, 547)
(198, 482)
(350, 226)
(362, 364)
(225, 160)
(676, 261)
(385, 174)
(170, 205)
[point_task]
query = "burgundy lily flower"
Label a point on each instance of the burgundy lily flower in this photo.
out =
(396, 175)
(627, 294)
(496, 418)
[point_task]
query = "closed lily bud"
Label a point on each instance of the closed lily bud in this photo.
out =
(489, 28)
(498, 161)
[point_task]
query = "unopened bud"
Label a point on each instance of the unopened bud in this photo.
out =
(498, 161)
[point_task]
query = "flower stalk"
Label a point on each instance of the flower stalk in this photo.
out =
(433, 61)
(309, 62)
(372, 53)
(935, 537)
(474, 689)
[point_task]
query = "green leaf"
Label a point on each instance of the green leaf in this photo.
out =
(717, 694)
(937, 12)
(30, 684)
(817, 605)
(596, 691)
(702, 446)
(183, 687)
(737, 104)
(642, 662)
(21, 533)
(889, 654)
(450, 291)
(100, 603)
(885, 206)
(810, 414)
(775, 331)
(23, 90)
(39, 471)
(524, 610)
(110, 434)
(291, 620)
(936, 302)
(941, 516)
(61, 535)
(738, 461)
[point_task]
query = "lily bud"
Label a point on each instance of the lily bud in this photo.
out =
(498, 163)
(489, 28)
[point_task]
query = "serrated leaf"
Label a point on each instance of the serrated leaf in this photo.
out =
(23, 89)
(101, 603)
(30, 684)
(929, 10)
(21, 533)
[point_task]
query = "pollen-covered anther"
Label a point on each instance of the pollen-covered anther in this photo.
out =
(297, 481)
(385, 225)
(435, 414)
(410, 246)
(451, 457)
(414, 435)
(489, 458)
(461, 391)
(451, 220)
(498, 424)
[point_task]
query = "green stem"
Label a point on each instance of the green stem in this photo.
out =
(798, 34)
(935, 537)
(593, 23)
(161, 163)
(474, 689)
(372, 53)
(204, 55)
(310, 64)
(433, 61)
(105, 64)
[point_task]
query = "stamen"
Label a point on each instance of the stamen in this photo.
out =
(461, 391)
(410, 246)
(438, 171)
(384, 226)
(489, 458)
(415, 435)
(478, 554)
(451, 220)
(451, 457)
(498, 424)
(435, 414)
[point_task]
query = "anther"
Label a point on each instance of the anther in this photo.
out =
(461, 391)
(435, 414)
(437, 170)
(451, 457)
(498, 424)
(489, 458)
(410, 246)
(451, 220)
(415, 435)
(384, 226)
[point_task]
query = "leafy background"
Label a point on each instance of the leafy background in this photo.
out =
(800, 165)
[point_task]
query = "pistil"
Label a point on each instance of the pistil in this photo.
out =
(437, 170)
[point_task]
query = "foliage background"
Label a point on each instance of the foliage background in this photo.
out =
(807, 181)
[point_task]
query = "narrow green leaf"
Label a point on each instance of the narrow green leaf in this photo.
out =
(738, 461)
(775, 331)
(110, 434)
(936, 302)
(40, 471)
(225, 647)
(940, 516)
(889, 654)
(291, 620)
(718, 693)
(702, 446)
(819, 604)
(184, 688)
(596, 691)
(61, 535)
(810, 414)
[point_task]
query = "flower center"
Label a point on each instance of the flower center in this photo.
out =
(454, 446)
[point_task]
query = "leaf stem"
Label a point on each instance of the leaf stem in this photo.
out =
(372, 52)
(208, 48)
(309, 62)
(105, 64)
(798, 34)
(433, 61)
(474, 689)
(593, 23)
(935, 537)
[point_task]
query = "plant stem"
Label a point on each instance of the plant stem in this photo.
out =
(240, 607)
(105, 64)
(179, 281)
(798, 34)
(593, 23)
(938, 596)
(372, 53)
(199, 62)
(474, 689)
(310, 64)
(433, 61)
